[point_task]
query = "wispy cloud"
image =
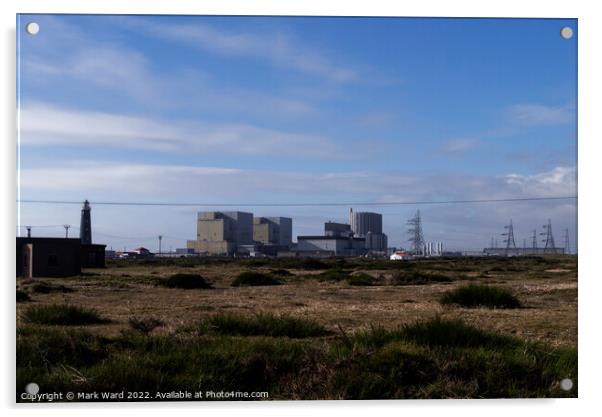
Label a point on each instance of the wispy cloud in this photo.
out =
(456, 146)
(99, 66)
(539, 114)
(184, 181)
(44, 125)
(127, 72)
(559, 181)
(88, 176)
(516, 118)
(461, 226)
(277, 48)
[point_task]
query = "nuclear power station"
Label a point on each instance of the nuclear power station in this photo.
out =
(273, 230)
(237, 232)
(369, 226)
(361, 236)
(240, 233)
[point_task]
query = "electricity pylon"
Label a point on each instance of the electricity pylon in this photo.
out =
(415, 232)
(509, 240)
(549, 247)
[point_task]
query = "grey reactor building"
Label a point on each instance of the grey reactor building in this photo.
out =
(362, 235)
(230, 232)
(237, 232)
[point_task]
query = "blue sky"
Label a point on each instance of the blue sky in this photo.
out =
(288, 109)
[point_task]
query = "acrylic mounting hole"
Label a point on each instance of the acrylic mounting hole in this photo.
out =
(566, 384)
(32, 28)
(566, 32)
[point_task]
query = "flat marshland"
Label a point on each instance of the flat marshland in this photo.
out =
(304, 328)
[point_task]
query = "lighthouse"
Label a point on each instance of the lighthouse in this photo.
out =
(85, 228)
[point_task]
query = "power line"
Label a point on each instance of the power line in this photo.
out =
(125, 237)
(176, 237)
(45, 225)
(106, 234)
(304, 204)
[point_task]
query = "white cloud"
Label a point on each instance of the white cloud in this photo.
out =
(135, 179)
(44, 125)
(195, 183)
(538, 114)
(119, 69)
(127, 72)
(278, 48)
(460, 145)
(65, 54)
(559, 181)
(458, 225)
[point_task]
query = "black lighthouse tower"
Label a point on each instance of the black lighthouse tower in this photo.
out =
(85, 228)
(92, 255)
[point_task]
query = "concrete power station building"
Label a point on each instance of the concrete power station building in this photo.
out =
(338, 240)
(363, 234)
(222, 232)
(333, 229)
(370, 227)
(230, 232)
(273, 231)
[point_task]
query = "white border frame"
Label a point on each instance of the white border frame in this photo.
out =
(590, 68)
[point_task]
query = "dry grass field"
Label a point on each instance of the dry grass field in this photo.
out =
(322, 292)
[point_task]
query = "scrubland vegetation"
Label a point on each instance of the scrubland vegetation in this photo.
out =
(305, 328)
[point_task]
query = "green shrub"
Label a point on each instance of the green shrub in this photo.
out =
(254, 263)
(42, 287)
(436, 332)
(252, 278)
(146, 324)
(185, 281)
(417, 278)
(361, 280)
(302, 263)
(42, 346)
(476, 295)
(335, 274)
(310, 263)
(22, 296)
(453, 333)
(282, 272)
(431, 359)
(438, 357)
(287, 263)
(396, 370)
(62, 314)
(162, 363)
(263, 324)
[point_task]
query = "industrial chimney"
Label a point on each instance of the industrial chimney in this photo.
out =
(85, 228)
